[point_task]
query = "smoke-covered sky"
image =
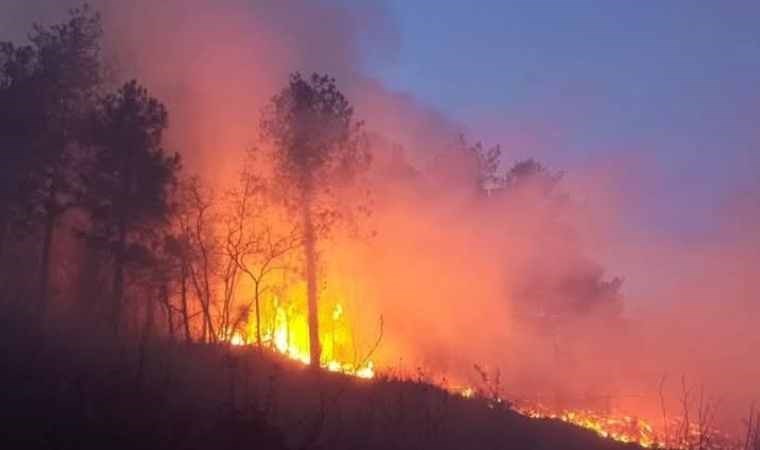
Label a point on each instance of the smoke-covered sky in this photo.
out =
(669, 88)
(669, 84)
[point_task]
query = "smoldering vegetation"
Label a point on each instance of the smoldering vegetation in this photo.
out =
(455, 253)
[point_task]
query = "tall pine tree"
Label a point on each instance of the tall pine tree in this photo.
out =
(318, 147)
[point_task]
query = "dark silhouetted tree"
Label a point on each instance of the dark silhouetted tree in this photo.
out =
(127, 183)
(198, 247)
(530, 173)
(487, 161)
(48, 88)
(178, 251)
(20, 121)
(319, 147)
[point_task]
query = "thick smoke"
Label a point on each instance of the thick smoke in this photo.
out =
(459, 277)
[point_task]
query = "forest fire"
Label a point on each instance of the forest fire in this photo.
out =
(677, 433)
(201, 280)
(618, 427)
(289, 337)
(288, 334)
(621, 428)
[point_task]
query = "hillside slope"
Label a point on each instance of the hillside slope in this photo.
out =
(76, 389)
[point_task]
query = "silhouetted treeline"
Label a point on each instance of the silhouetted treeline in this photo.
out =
(100, 213)
(78, 159)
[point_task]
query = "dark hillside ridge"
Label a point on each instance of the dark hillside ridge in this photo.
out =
(76, 390)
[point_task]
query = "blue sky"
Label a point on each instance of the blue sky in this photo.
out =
(677, 82)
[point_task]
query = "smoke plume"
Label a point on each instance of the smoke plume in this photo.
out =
(459, 277)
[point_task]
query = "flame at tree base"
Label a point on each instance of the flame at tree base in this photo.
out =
(366, 371)
(289, 337)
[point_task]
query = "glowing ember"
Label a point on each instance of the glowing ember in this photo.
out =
(621, 428)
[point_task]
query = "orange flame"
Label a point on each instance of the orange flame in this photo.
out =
(289, 335)
(621, 428)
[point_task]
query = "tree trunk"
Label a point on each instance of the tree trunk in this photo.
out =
(315, 348)
(213, 337)
(145, 337)
(258, 315)
(4, 231)
(150, 316)
(183, 294)
(118, 277)
(204, 294)
(47, 249)
(166, 301)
